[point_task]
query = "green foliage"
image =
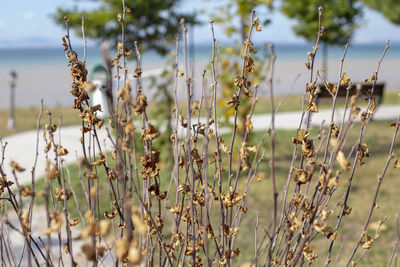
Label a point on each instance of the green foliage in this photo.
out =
(389, 8)
(231, 64)
(231, 10)
(234, 15)
(153, 23)
(162, 111)
(339, 18)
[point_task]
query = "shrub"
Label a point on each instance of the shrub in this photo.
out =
(193, 215)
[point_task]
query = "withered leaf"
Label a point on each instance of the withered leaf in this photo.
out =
(62, 194)
(104, 226)
(371, 79)
(258, 27)
(367, 242)
(89, 251)
(308, 253)
(100, 161)
(364, 118)
(239, 81)
(234, 101)
(26, 191)
(61, 151)
(331, 87)
(58, 223)
(138, 73)
(64, 43)
(363, 152)
(111, 215)
(150, 133)
(89, 174)
(16, 167)
(309, 87)
(48, 145)
(302, 176)
(138, 222)
(74, 222)
(342, 160)
(345, 80)
(396, 164)
(311, 104)
(249, 124)
(250, 65)
(141, 103)
(248, 42)
(52, 173)
(247, 92)
(260, 176)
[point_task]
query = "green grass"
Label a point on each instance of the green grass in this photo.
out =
(378, 137)
(293, 102)
(26, 118)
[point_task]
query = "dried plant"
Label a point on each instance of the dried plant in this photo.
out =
(191, 216)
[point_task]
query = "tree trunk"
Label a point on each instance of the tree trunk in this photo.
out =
(325, 61)
(108, 66)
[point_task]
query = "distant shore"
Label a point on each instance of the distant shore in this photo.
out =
(49, 79)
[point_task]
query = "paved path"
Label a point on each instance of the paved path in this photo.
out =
(21, 147)
(290, 120)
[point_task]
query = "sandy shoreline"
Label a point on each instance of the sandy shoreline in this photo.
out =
(52, 82)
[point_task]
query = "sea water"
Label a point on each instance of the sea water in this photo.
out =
(44, 72)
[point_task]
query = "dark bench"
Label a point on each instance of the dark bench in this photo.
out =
(325, 96)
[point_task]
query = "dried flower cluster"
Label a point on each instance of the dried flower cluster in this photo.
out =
(191, 215)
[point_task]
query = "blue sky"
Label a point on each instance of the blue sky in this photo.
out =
(29, 23)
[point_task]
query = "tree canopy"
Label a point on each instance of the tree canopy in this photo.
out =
(230, 10)
(389, 8)
(339, 18)
(153, 23)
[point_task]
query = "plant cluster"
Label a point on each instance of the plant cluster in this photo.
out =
(192, 216)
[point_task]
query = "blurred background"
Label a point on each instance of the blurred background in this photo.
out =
(31, 32)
